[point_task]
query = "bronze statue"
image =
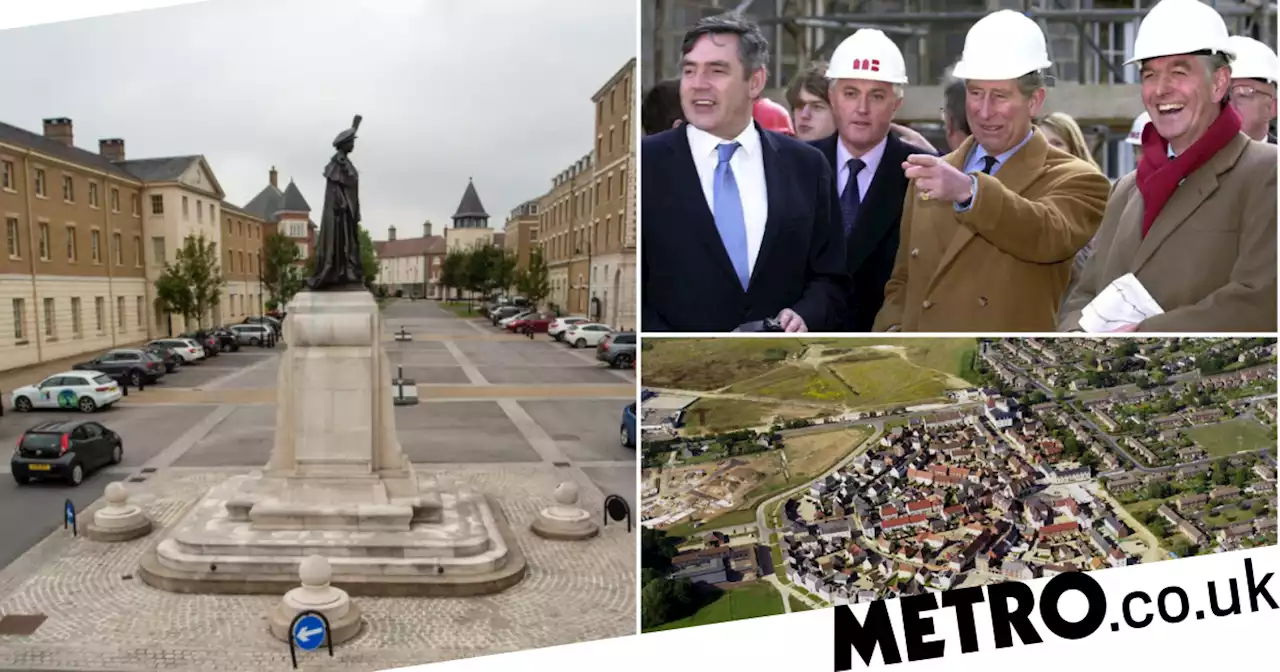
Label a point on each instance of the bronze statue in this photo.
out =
(338, 266)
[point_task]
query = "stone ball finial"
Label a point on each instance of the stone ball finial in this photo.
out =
(566, 493)
(315, 571)
(116, 494)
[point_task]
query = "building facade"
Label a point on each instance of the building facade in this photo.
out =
(611, 246)
(411, 266)
(242, 236)
(521, 232)
(470, 223)
(564, 219)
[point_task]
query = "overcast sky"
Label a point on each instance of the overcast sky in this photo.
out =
(497, 90)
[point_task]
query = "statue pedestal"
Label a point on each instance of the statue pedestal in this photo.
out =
(338, 485)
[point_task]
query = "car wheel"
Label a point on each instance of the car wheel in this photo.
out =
(622, 361)
(117, 454)
(135, 379)
(88, 405)
(77, 474)
(21, 480)
(626, 440)
(22, 404)
(580, 343)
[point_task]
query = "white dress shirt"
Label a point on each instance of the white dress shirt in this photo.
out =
(748, 170)
(870, 160)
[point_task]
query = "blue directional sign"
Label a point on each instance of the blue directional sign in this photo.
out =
(308, 632)
(71, 513)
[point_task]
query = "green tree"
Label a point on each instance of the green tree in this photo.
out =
(192, 285)
(368, 258)
(533, 282)
(281, 274)
(664, 600)
(173, 292)
(453, 271)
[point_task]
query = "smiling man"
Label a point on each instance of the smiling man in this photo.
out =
(989, 232)
(740, 225)
(1196, 223)
(1253, 87)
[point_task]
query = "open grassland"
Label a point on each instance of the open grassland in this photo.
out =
(705, 364)
(1232, 436)
(721, 415)
(797, 383)
(735, 604)
(884, 379)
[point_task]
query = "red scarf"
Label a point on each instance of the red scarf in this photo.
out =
(1159, 176)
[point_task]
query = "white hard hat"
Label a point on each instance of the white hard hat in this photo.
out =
(1254, 59)
(1135, 132)
(1180, 27)
(868, 54)
(1002, 45)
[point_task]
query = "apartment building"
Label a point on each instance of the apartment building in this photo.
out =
(521, 232)
(285, 212)
(242, 236)
(564, 221)
(410, 266)
(611, 246)
(72, 277)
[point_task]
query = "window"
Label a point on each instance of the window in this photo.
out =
(212, 219)
(68, 189)
(93, 194)
(99, 307)
(40, 185)
(20, 320)
(116, 249)
(49, 322)
(137, 251)
(120, 312)
(95, 246)
(6, 175)
(608, 192)
(157, 251)
(231, 265)
(135, 203)
(44, 241)
(140, 309)
(157, 205)
(611, 141)
(12, 238)
(185, 213)
(76, 325)
(71, 243)
(240, 227)
(240, 256)
(199, 211)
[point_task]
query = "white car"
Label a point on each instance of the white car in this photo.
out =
(187, 349)
(587, 335)
(561, 325)
(84, 390)
(520, 316)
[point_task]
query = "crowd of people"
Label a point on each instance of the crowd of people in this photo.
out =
(830, 216)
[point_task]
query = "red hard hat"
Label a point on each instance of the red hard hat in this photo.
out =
(772, 116)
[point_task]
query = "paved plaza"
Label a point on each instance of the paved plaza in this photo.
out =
(508, 416)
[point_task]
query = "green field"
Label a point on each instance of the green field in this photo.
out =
(797, 383)
(888, 379)
(735, 604)
(797, 605)
(1232, 436)
(727, 414)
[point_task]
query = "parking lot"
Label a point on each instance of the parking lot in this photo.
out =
(488, 399)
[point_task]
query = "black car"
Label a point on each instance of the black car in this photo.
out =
(166, 354)
(131, 366)
(65, 450)
(227, 339)
(212, 344)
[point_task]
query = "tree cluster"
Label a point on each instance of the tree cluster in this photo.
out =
(192, 284)
(487, 269)
(662, 600)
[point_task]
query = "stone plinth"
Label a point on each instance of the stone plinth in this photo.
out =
(338, 485)
(565, 521)
(118, 520)
(316, 594)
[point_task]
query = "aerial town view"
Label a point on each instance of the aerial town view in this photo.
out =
(784, 475)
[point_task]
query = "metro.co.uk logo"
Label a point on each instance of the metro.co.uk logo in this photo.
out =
(1011, 604)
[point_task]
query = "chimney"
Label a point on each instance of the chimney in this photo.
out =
(426, 229)
(59, 129)
(273, 177)
(391, 233)
(112, 149)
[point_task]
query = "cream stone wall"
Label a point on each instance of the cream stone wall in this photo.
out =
(455, 239)
(66, 340)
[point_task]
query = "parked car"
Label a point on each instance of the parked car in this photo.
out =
(537, 323)
(587, 334)
(65, 450)
(518, 316)
(558, 327)
(618, 349)
(503, 312)
(85, 390)
(227, 339)
(187, 349)
(272, 322)
(171, 359)
(212, 346)
(132, 366)
(629, 426)
(251, 334)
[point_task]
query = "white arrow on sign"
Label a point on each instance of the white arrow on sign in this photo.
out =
(304, 635)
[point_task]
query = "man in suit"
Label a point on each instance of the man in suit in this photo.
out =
(1253, 87)
(867, 75)
(989, 231)
(1196, 222)
(740, 224)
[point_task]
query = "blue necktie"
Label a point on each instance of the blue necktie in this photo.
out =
(850, 200)
(728, 213)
